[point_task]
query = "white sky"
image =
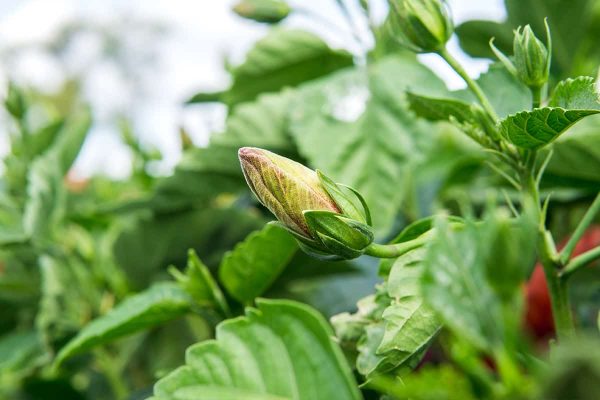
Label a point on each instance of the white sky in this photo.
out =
(189, 57)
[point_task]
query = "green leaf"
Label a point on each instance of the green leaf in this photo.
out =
(579, 93)
(283, 58)
(17, 351)
(200, 284)
(410, 324)
(280, 350)
(203, 173)
(158, 304)
(455, 285)
(537, 128)
(46, 203)
(355, 127)
(252, 266)
(434, 109)
(475, 37)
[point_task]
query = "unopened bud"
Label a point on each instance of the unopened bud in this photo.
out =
(532, 59)
(421, 25)
(15, 102)
(268, 11)
(327, 221)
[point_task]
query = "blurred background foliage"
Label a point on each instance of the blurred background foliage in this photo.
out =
(72, 248)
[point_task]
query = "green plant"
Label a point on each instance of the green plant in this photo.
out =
(183, 287)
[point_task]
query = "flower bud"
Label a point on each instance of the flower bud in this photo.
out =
(15, 102)
(424, 26)
(268, 11)
(326, 221)
(532, 59)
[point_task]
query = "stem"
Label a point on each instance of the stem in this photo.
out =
(580, 261)
(106, 365)
(536, 95)
(483, 100)
(587, 219)
(394, 250)
(561, 310)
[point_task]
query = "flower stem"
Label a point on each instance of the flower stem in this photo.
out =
(587, 219)
(394, 250)
(580, 261)
(536, 96)
(475, 88)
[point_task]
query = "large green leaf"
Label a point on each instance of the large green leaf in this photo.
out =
(579, 93)
(537, 128)
(436, 109)
(158, 304)
(281, 350)
(284, 58)
(455, 285)
(252, 266)
(45, 190)
(475, 37)
(355, 127)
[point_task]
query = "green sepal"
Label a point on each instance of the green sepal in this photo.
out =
(351, 233)
(308, 245)
(345, 202)
(338, 248)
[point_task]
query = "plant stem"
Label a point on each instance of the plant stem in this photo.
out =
(536, 95)
(587, 219)
(580, 261)
(106, 365)
(394, 250)
(483, 100)
(561, 310)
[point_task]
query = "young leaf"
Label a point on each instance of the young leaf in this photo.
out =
(158, 304)
(579, 93)
(252, 266)
(279, 350)
(200, 285)
(434, 109)
(537, 128)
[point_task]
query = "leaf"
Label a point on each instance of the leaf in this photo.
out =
(18, 349)
(410, 324)
(46, 195)
(537, 128)
(355, 127)
(475, 35)
(455, 286)
(277, 351)
(203, 173)
(199, 283)
(434, 109)
(158, 304)
(283, 58)
(252, 266)
(579, 93)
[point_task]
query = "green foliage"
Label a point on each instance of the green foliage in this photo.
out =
(578, 93)
(252, 266)
(537, 128)
(160, 303)
(279, 350)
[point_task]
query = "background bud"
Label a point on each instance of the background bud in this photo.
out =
(422, 25)
(532, 59)
(285, 187)
(268, 11)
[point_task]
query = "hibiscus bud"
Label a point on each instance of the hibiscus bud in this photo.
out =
(327, 221)
(421, 25)
(268, 11)
(532, 59)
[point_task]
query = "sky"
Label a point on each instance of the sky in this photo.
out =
(171, 49)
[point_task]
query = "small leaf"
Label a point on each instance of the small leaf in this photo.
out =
(579, 93)
(200, 285)
(252, 266)
(156, 305)
(537, 128)
(17, 351)
(434, 109)
(281, 350)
